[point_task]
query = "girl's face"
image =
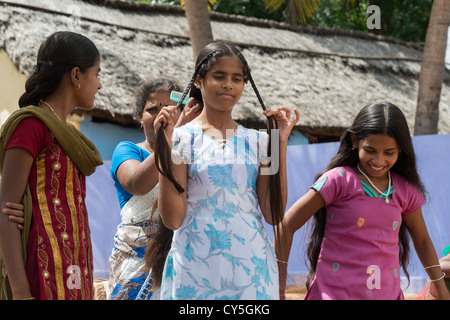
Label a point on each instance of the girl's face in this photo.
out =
(223, 84)
(89, 85)
(377, 154)
(155, 102)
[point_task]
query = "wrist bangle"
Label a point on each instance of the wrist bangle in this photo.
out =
(282, 261)
(30, 298)
(441, 277)
(433, 266)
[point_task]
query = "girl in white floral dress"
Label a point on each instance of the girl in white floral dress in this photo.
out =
(217, 189)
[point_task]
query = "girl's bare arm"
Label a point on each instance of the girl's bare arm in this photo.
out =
(16, 168)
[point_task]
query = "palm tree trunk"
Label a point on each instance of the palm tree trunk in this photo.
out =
(432, 70)
(199, 24)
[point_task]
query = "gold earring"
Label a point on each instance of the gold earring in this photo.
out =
(79, 86)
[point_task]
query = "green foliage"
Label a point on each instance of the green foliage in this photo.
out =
(295, 11)
(343, 15)
(402, 19)
(406, 20)
(249, 8)
(409, 20)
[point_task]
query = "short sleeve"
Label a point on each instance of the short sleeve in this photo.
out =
(31, 134)
(181, 145)
(414, 199)
(331, 185)
(126, 150)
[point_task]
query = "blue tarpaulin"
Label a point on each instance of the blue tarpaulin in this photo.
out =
(303, 163)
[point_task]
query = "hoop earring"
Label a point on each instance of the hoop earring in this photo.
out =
(79, 86)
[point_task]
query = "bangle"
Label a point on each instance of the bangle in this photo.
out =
(282, 261)
(30, 298)
(441, 277)
(433, 266)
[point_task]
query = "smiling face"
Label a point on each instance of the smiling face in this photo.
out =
(223, 84)
(377, 154)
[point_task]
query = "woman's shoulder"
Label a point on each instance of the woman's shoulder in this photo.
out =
(125, 147)
(30, 133)
(32, 123)
(126, 150)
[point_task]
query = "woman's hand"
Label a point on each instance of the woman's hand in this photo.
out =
(283, 117)
(166, 118)
(15, 213)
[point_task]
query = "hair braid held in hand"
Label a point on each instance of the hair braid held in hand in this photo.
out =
(163, 155)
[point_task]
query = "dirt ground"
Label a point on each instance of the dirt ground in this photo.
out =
(292, 292)
(299, 293)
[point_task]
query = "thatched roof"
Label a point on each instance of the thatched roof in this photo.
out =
(327, 74)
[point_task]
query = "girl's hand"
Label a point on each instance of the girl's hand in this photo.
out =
(15, 213)
(192, 109)
(285, 124)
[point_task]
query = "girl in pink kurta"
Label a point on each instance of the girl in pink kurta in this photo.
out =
(361, 241)
(364, 203)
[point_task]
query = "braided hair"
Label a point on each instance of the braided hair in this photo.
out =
(206, 59)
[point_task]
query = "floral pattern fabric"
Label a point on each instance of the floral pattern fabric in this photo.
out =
(139, 222)
(221, 251)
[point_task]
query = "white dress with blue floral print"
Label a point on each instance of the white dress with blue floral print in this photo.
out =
(221, 251)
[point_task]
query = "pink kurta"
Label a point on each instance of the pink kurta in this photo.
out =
(359, 257)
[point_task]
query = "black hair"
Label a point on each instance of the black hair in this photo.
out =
(146, 88)
(58, 54)
(376, 118)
